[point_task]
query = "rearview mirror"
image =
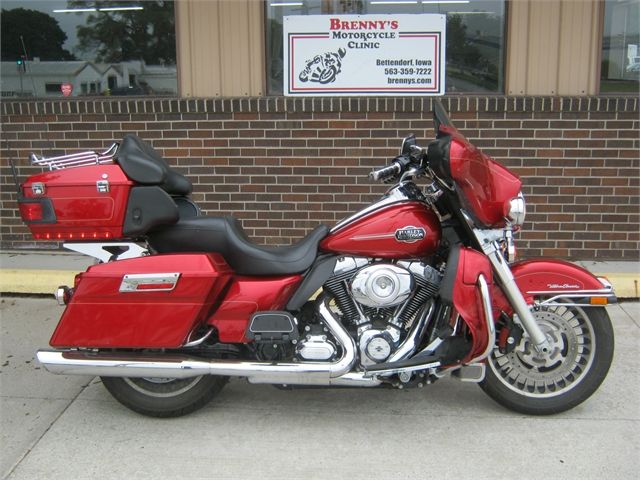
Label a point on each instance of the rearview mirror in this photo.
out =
(407, 143)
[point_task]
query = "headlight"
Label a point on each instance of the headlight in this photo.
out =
(517, 210)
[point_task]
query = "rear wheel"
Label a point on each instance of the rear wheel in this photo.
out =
(164, 397)
(582, 346)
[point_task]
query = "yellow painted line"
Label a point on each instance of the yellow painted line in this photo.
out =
(34, 281)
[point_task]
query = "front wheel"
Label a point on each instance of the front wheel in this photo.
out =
(164, 397)
(581, 353)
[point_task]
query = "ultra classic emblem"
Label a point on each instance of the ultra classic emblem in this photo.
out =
(410, 234)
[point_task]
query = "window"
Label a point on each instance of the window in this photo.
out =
(475, 36)
(620, 68)
(98, 46)
(53, 88)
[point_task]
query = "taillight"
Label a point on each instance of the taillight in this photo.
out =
(36, 210)
(31, 212)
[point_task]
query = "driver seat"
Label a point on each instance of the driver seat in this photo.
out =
(225, 235)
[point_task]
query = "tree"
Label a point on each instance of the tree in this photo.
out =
(40, 32)
(118, 36)
(459, 49)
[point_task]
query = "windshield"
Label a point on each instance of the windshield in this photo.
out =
(440, 116)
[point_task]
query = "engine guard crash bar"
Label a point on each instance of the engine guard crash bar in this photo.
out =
(430, 362)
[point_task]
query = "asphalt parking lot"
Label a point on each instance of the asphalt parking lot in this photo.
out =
(70, 427)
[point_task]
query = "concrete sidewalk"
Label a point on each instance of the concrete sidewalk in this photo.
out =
(60, 427)
(41, 272)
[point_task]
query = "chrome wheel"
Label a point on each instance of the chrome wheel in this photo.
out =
(572, 343)
(162, 387)
(164, 397)
(581, 341)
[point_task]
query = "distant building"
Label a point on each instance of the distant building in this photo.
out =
(44, 79)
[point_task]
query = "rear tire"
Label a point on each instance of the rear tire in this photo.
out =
(164, 397)
(582, 350)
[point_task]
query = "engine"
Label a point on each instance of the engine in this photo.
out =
(378, 301)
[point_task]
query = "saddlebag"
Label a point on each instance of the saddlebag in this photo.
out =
(145, 302)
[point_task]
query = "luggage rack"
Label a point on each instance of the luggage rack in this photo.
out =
(81, 159)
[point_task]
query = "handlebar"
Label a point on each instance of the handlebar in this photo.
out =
(385, 172)
(399, 165)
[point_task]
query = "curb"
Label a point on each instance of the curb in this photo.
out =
(33, 281)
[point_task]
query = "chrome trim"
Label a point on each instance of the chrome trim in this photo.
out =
(79, 159)
(408, 347)
(131, 282)
(97, 250)
(470, 373)
(396, 195)
(60, 294)
(517, 210)
(38, 188)
(487, 312)
(370, 285)
(199, 341)
(355, 379)
(102, 186)
(413, 368)
(108, 364)
(606, 292)
(510, 246)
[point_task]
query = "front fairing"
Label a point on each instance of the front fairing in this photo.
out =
(484, 186)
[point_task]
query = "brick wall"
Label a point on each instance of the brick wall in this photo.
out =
(283, 165)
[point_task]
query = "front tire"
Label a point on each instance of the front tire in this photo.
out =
(164, 397)
(582, 350)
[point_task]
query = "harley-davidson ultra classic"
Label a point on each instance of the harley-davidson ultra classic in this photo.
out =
(419, 285)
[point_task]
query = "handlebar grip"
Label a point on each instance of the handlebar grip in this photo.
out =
(385, 172)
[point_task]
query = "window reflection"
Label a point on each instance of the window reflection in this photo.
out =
(620, 68)
(90, 47)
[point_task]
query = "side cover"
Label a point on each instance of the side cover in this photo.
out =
(146, 302)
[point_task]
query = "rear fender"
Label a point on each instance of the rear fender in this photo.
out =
(550, 281)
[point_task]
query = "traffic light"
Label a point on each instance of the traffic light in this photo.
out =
(21, 64)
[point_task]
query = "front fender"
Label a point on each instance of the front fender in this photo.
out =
(555, 280)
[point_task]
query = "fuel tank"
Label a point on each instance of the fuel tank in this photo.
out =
(407, 229)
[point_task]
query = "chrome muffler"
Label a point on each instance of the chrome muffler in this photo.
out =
(107, 364)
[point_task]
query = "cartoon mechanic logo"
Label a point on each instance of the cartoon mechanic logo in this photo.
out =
(323, 68)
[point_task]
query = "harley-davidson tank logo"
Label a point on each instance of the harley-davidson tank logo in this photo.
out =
(410, 234)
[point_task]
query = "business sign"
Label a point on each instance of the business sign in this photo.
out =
(364, 54)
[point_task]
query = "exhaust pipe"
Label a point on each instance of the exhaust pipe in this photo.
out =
(183, 366)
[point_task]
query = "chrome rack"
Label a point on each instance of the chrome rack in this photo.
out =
(81, 159)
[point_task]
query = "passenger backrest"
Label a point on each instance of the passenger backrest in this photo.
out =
(142, 164)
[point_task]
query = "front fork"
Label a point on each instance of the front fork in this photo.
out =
(489, 242)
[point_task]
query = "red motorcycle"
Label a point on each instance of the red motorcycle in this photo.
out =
(418, 285)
